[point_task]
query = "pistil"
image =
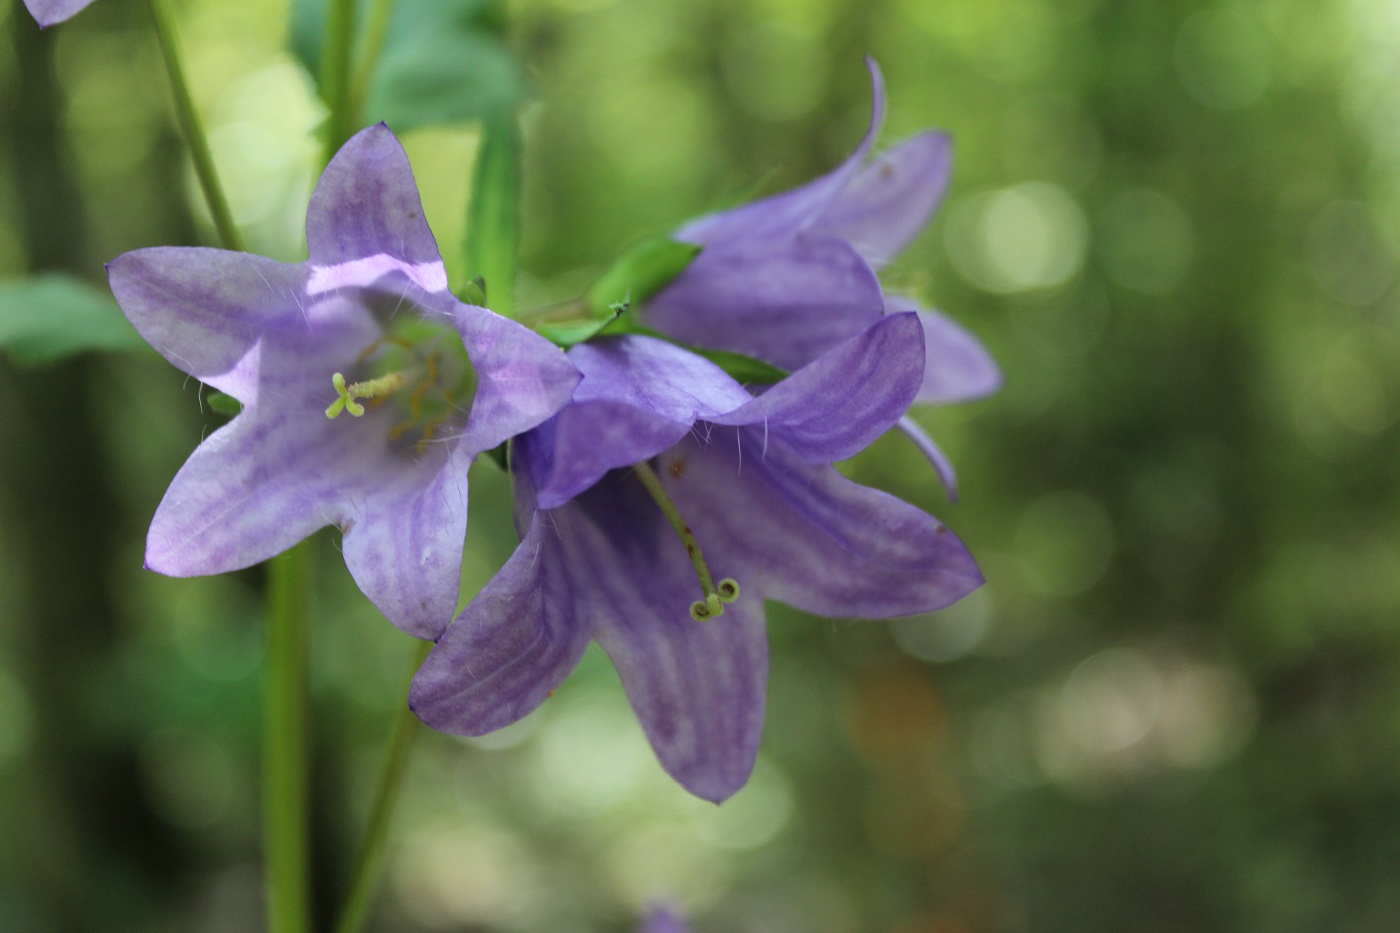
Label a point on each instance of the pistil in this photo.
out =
(716, 597)
(369, 389)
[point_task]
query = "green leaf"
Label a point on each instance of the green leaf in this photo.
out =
(569, 331)
(443, 61)
(746, 369)
(48, 317)
(640, 273)
(493, 211)
(224, 404)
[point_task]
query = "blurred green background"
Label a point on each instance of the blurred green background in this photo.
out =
(1174, 707)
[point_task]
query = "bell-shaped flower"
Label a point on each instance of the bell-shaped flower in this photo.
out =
(787, 277)
(367, 389)
(660, 509)
(48, 12)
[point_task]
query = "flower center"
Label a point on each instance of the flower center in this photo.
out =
(422, 369)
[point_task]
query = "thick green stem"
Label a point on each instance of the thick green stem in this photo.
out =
(335, 73)
(164, 22)
(285, 825)
(376, 31)
(370, 861)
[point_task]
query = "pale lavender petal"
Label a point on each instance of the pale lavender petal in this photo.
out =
(514, 644)
(839, 403)
(787, 214)
(892, 199)
(254, 488)
(208, 310)
(957, 368)
(810, 537)
(785, 302)
(366, 204)
(404, 535)
(935, 455)
(48, 12)
(522, 378)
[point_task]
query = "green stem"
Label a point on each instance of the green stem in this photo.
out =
(335, 73)
(164, 22)
(370, 861)
(376, 32)
(285, 824)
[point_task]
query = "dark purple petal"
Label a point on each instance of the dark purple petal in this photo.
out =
(808, 536)
(522, 378)
(366, 205)
(638, 396)
(935, 455)
(404, 536)
(788, 214)
(697, 688)
(785, 302)
(836, 405)
(891, 199)
(48, 12)
(957, 368)
(516, 641)
(208, 310)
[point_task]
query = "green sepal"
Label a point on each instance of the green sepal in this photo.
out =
(640, 273)
(569, 331)
(223, 404)
(474, 292)
(500, 454)
(746, 369)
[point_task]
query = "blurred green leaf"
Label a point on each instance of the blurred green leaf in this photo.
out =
(493, 211)
(443, 61)
(48, 317)
(640, 273)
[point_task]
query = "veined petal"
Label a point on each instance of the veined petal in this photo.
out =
(891, 199)
(404, 537)
(254, 488)
(697, 688)
(787, 214)
(810, 537)
(785, 302)
(512, 645)
(840, 402)
(587, 439)
(206, 310)
(957, 368)
(522, 378)
(48, 12)
(367, 204)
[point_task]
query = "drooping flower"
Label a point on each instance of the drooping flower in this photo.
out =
(48, 12)
(664, 480)
(663, 918)
(787, 277)
(366, 328)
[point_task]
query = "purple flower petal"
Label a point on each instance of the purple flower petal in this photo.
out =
(522, 378)
(892, 198)
(366, 212)
(806, 535)
(933, 453)
(839, 403)
(48, 12)
(957, 367)
(663, 918)
(404, 540)
(784, 215)
(515, 642)
(208, 310)
(785, 302)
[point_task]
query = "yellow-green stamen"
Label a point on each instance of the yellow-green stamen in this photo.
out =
(715, 596)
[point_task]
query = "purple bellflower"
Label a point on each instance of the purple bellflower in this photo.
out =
(365, 328)
(48, 12)
(663, 918)
(787, 277)
(662, 477)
